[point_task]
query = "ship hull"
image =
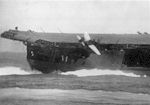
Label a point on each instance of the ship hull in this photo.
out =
(49, 59)
(105, 61)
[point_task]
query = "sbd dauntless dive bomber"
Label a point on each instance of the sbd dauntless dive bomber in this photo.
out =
(47, 52)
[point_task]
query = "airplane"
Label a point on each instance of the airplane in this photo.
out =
(48, 52)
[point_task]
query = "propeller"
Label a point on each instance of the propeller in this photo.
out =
(86, 40)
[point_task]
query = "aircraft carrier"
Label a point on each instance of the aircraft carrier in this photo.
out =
(48, 52)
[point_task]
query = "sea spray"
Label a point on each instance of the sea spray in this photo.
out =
(16, 71)
(97, 72)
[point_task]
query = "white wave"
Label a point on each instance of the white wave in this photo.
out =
(16, 71)
(97, 72)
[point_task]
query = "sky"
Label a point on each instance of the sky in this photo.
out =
(93, 16)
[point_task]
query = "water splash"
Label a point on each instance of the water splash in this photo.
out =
(97, 72)
(16, 71)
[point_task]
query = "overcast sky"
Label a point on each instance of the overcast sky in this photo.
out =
(97, 16)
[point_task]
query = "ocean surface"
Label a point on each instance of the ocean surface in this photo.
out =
(19, 85)
(20, 88)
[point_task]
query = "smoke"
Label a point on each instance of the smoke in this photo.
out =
(97, 72)
(16, 71)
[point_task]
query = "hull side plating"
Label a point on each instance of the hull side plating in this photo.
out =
(47, 64)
